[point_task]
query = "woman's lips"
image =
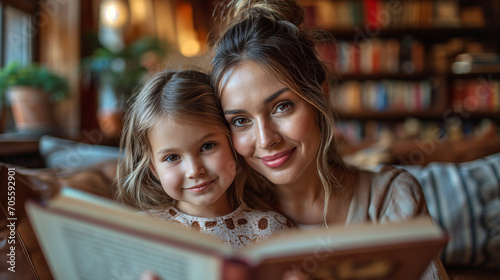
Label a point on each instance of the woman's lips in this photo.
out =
(277, 160)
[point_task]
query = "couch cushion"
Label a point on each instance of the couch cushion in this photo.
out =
(464, 199)
(67, 154)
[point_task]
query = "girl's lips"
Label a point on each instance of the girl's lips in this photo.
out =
(200, 187)
(277, 160)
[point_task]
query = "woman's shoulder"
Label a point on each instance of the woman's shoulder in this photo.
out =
(391, 176)
(390, 194)
(388, 178)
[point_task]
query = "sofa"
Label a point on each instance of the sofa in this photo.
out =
(464, 198)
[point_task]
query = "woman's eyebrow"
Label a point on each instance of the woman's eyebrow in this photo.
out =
(275, 95)
(233, 112)
(268, 100)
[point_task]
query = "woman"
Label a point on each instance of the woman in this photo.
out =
(274, 94)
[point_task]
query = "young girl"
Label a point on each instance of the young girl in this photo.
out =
(179, 164)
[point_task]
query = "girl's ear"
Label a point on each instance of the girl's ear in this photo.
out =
(153, 170)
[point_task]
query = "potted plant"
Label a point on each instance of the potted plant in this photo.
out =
(118, 74)
(31, 90)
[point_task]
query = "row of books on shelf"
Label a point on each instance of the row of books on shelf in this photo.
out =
(383, 95)
(374, 56)
(477, 94)
(355, 131)
(371, 14)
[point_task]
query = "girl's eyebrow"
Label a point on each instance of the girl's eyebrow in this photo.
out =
(268, 100)
(169, 150)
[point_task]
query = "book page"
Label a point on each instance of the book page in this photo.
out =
(111, 212)
(79, 249)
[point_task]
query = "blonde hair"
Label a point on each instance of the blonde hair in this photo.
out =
(270, 34)
(185, 96)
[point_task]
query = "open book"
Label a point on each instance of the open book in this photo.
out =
(88, 237)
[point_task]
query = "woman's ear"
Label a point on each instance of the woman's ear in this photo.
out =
(326, 88)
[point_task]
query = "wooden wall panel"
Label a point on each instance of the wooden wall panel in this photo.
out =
(59, 29)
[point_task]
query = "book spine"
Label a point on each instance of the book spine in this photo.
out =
(371, 13)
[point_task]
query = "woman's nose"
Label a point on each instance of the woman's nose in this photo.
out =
(267, 135)
(194, 168)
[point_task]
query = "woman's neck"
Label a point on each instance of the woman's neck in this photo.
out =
(303, 201)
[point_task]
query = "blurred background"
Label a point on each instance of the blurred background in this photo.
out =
(409, 75)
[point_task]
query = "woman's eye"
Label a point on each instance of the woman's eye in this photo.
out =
(172, 158)
(207, 146)
(239, 122)
(284, 106)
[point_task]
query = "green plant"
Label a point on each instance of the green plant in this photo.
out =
(33, 75)
(123, 70)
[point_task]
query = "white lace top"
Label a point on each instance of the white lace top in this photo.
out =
(237, 229)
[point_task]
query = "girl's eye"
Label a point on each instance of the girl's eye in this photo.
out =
(207, 146)
(239, 122)
(284, 106)
(172, 158)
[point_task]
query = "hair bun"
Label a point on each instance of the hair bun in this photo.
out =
(279, 10)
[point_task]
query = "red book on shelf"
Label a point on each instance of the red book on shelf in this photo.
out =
(371, 13)
(376, 55)
(327, 51)
(311, 16)
(458, 92)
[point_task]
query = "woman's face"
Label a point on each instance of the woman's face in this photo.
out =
(274, 129)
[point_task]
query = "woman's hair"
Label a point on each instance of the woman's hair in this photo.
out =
(269, 33)
(185, 96)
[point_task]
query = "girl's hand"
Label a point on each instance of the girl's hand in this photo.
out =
(149, 275)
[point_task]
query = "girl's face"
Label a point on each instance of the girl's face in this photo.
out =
(274, 129)
(195, 165)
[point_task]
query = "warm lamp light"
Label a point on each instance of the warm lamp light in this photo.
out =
(187, 37)
(189, 47)
(114, 13)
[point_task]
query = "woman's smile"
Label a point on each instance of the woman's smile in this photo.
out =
(277, 160)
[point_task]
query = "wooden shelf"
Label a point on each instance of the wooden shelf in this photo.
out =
(384, 76)
(441, 115)
(390, 115)
(474, 75)
(425, 34)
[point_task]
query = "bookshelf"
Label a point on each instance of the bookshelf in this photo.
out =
(419, 68)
